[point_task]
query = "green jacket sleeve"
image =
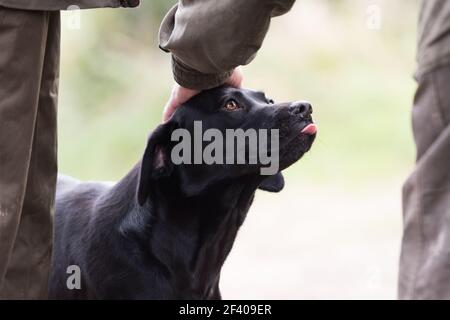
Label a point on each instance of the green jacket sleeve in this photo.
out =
(209, 38)
(50, 5)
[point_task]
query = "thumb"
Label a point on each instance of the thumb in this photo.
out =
(236, 78)
(178, 96)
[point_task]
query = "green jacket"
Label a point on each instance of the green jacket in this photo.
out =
(433, 36)
(207, 38)
(51, 5)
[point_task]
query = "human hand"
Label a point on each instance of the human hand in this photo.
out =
(180, 94)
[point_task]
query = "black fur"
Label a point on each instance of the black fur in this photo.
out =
(164, 231)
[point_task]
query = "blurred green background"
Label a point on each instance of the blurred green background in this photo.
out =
(338, 223)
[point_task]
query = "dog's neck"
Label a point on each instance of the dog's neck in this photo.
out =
(189, 238)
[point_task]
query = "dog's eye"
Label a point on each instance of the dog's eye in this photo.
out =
(271, 101)
(232, 105)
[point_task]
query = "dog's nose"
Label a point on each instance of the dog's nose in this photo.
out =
(301, 108)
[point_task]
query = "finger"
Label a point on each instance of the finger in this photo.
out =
(179, 96)
(169, 109)
(236, 78)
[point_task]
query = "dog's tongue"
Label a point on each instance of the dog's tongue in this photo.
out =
(310, 129)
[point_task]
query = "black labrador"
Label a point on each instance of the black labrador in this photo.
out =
(165, 230)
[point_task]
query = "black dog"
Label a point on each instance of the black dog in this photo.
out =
(165, 230)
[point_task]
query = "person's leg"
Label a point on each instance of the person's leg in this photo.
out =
(29, 57)
(425, 257)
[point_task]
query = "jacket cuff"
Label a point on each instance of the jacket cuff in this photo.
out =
(195, 80)
(129, 3)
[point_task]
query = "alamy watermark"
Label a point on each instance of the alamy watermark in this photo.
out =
(373, 17)
(73, 17)
(3, 212)
(74, 279)
(237, 146)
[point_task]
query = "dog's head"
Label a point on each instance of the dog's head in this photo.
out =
(224, 134)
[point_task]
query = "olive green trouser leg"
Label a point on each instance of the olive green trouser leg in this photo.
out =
(425, 257)
(29, 71)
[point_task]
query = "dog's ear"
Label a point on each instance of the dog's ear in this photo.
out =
(156, 163)
(273, 183)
